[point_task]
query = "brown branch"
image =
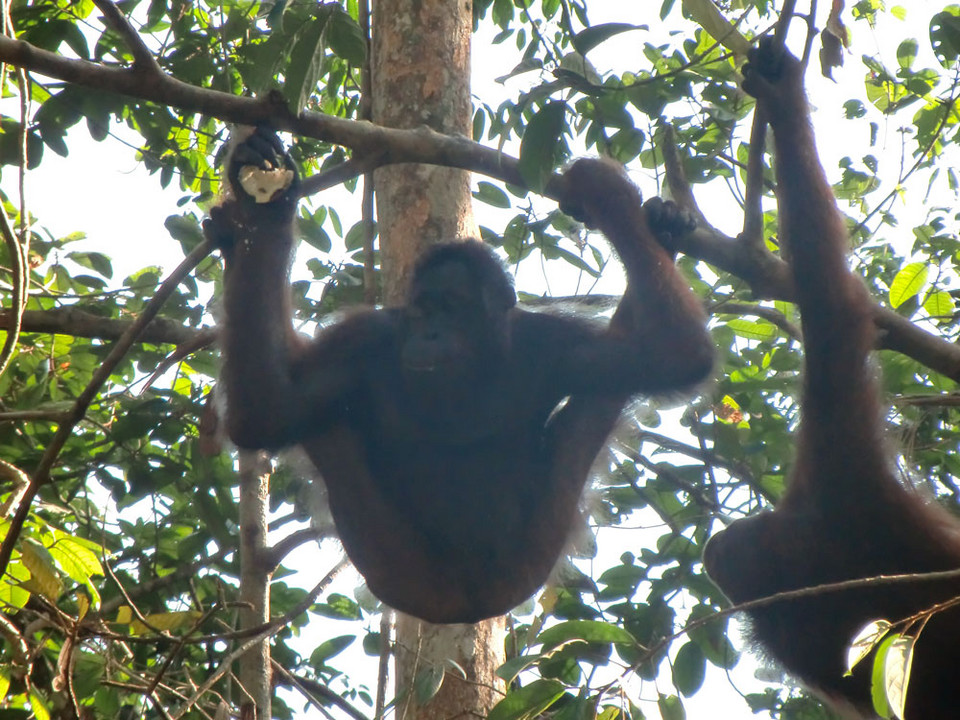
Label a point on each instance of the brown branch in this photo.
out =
(752, 234)
(676, 177)
(339, 174)
(769, 278)
(936, 400)
(897, 333)
(56, 416)
(367, 196)
(116, 21)
(12, 320)
(651, 651)
(386, 145)
(707, 457)
(183, 351)
(317, 693)
(771, 315)
(291, 542)
(765, 273)
(73, 321)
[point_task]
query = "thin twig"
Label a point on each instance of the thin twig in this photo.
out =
(366, 201)
(311, 688)
(752, 235)
(771, 315)
(255, 635)
(15, 247)
(143, 59)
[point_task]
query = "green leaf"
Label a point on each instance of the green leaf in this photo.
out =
(945, 35)
(549, 8)
(865, 641)
(339, 607)
(513, 667)
(939, 305)
(554, 252)
(346, 39)
(585, 40)
(169, 621)
(43, 573)
(79, 562)
(330, 648)
(584, 708)
(753, 329)
(707, 16)
(878, 689)
(689, 669)
(907, 53)
(908, 283)
(313, 232)
(39, 706)
(12, 592)
(897, 665)
(427, 683)
(262, 60)
(591, 631)
(355, 236)
(671, 708)
(306, 64)
(184, 229)
(529, 701)
(373, 644)
(275, 14)
(11, 151)
(479, 123)
(712, 638)
(93, 261)
(491, 195)
(539, 151)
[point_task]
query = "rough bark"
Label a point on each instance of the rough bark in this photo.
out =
(255, 574)
(421, 77)
(424, 650)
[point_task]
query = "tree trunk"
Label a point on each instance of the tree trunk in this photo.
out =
(426, 653)
(254, 665)
(421, 76)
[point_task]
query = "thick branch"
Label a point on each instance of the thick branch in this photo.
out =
(765, 273)
(79, 323)
(769, 278)
(388, 145)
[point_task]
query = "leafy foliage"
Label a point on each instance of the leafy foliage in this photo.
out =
(122, 591)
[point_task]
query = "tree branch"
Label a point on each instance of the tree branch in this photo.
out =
(73, 321)
(116, 21)
(771, 315)
(381, 145)
(377, 146)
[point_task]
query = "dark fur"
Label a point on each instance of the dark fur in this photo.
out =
(453, 479)
(482, 262)
(845, 514)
